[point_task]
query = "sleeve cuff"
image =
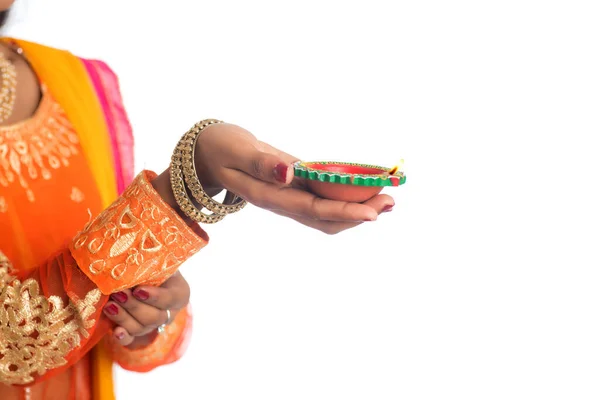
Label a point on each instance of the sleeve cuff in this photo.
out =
(138, 240)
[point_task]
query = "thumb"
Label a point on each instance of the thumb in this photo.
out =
(268, 167)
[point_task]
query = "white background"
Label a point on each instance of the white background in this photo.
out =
(483, 283)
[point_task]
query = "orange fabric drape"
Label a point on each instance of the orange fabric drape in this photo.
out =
(52, 317)
(63, 276)
(68, 82)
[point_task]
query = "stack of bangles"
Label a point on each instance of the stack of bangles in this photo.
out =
(184, 180)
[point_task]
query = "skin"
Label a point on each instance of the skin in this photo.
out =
(137, 313)
(254, 170)
(6, 4)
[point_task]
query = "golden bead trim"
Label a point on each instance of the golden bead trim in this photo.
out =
(8, 88)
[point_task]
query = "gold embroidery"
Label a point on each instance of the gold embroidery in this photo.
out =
(95, 245)
(150, 243)
(3, 206)
(127, 219)
(97, 266)
(77, 195)
(37, 332)
(122, 244)
(139, 238)
(32, 149)
(118, 271)
(80, 241)
(135, 257)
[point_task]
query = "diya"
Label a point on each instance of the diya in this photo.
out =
(347, 181)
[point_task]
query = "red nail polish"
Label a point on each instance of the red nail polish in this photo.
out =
(120, 335)
(388, 208)
(280, 172)
(120, 297)
(111, 309)
(141, 294)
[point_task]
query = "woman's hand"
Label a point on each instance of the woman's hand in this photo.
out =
(229, 157)
(139, 312)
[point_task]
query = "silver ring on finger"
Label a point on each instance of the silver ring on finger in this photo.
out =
(161, 329)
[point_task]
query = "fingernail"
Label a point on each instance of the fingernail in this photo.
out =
(141, 294)
(280, 172)
(119, 296)
(111, 309)
(120, 335)
(388, 208)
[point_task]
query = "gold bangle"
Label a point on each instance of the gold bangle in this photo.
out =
(183, 170)
(191, 176)
(182, 197)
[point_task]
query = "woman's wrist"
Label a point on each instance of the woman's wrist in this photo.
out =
(210, 184)
(162, 185)
(193, 179)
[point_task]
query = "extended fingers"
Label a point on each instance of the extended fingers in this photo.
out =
(295, 201)
(380, 204)
(328, 227)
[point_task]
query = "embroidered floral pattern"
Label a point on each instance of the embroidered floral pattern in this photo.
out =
(32, 149)
(139, 239)
(37, 332)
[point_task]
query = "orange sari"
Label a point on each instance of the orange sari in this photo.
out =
(57, 268)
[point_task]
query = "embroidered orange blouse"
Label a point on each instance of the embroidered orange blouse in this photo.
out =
(58, 264)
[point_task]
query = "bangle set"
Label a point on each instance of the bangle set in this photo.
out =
(184, 181)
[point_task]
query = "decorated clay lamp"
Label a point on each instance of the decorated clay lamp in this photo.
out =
(347, 181)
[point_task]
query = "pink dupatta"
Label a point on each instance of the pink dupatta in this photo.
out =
(121, 134)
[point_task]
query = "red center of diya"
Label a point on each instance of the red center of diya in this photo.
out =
(346, 168)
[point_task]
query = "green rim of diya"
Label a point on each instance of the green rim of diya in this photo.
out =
(303, 170)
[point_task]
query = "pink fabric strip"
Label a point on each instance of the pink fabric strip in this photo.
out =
(121, 134)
